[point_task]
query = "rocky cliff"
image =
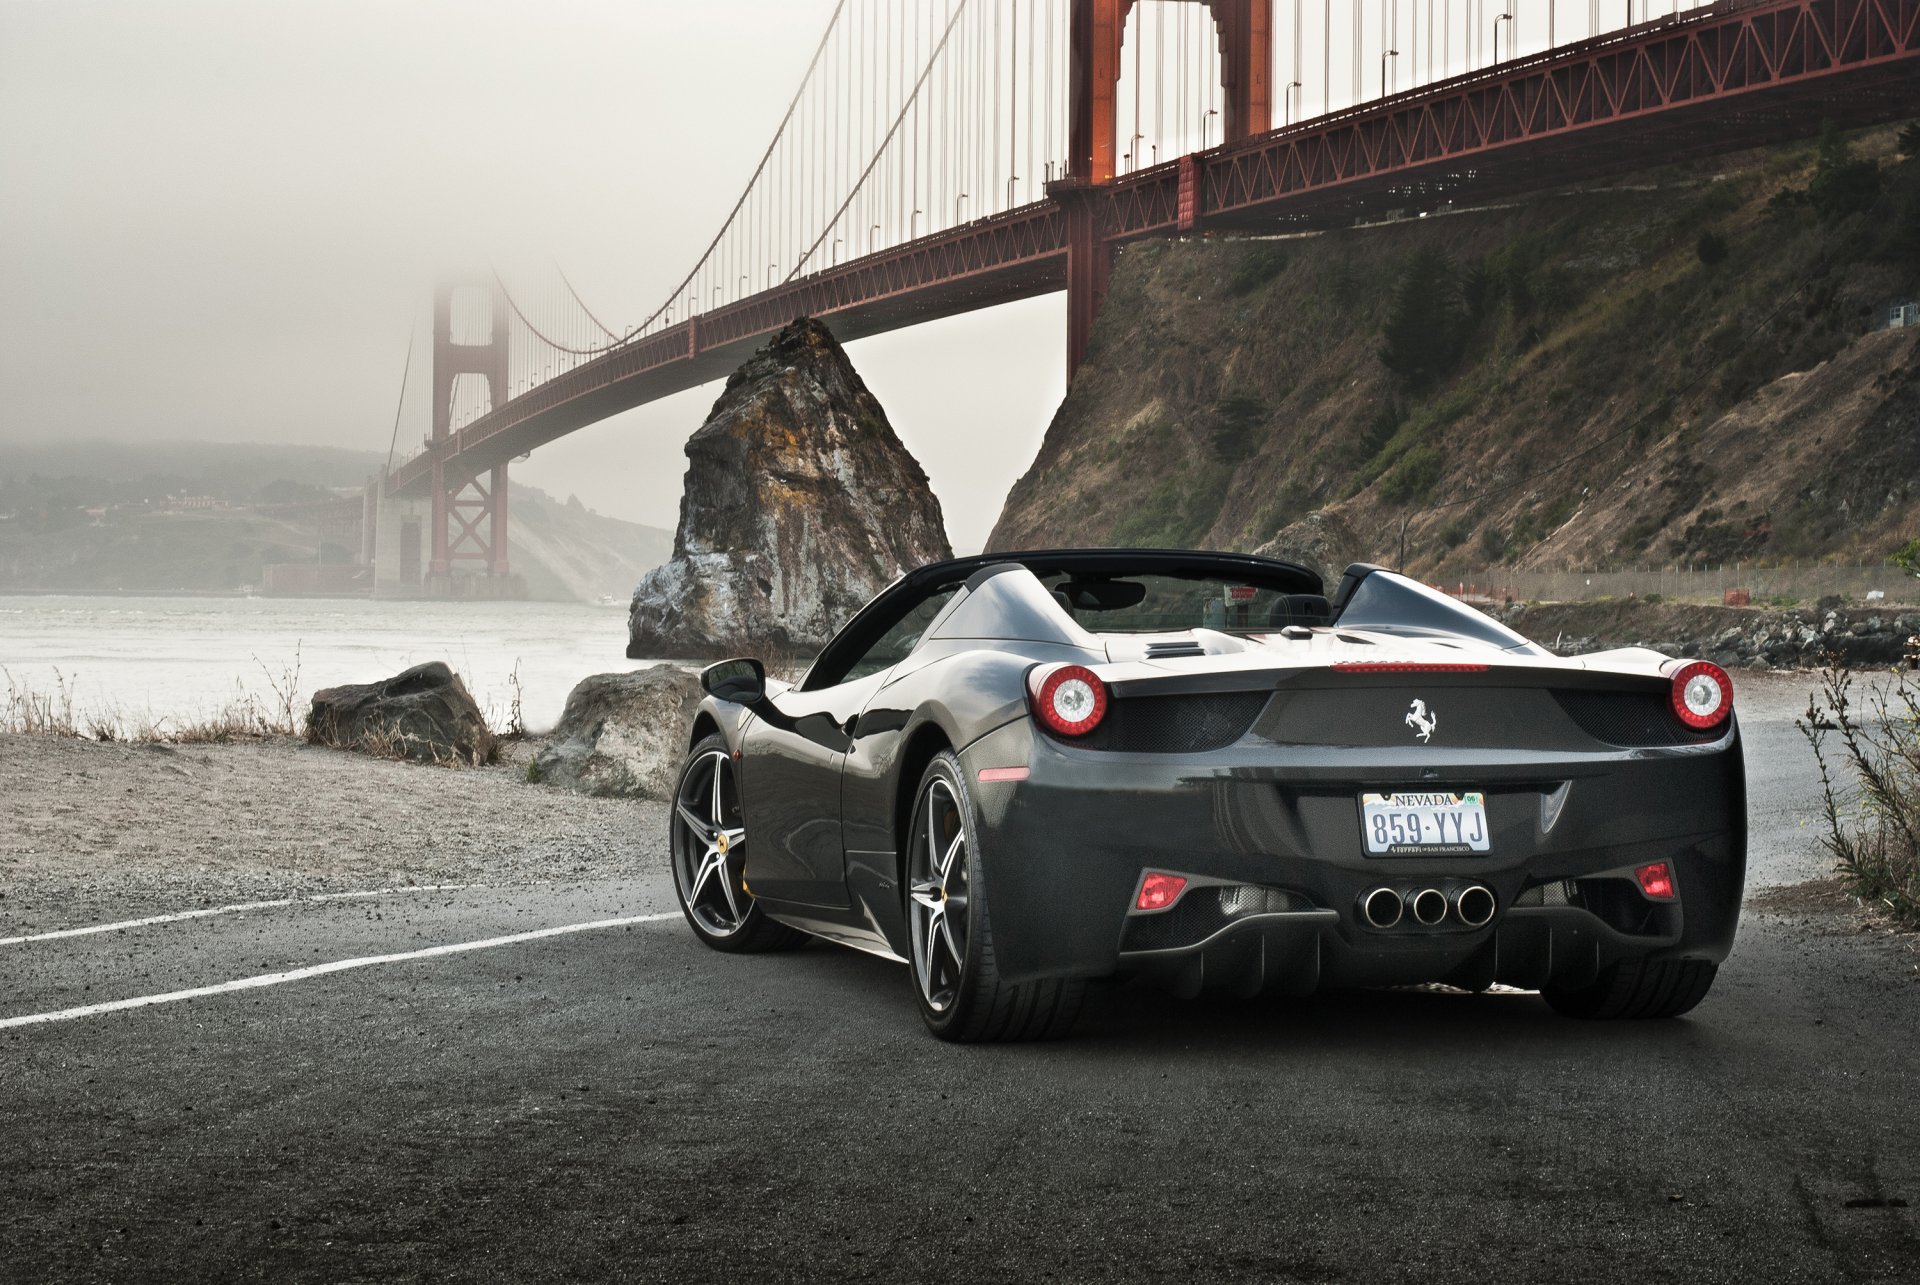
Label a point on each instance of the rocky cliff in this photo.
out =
(800, 504)
(1682, 367)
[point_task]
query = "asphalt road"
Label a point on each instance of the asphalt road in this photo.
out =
(618, 1103)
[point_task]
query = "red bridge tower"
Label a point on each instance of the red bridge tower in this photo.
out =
(1245, 29)
(469, 518)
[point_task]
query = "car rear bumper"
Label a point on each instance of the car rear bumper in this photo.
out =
(1064, 851)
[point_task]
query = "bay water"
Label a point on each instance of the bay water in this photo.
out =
(167, 660)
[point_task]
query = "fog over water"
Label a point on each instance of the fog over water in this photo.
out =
(151, 659)
(222, 220)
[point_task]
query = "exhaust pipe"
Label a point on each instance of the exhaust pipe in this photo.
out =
(1429, 906)
(1381, 908)
(1474, 904)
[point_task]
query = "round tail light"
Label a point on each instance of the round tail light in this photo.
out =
(1702, 694)
(1070, 700)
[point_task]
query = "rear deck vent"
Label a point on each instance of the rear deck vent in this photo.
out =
(1184, 647)
(1175, 724)
(1631, 720)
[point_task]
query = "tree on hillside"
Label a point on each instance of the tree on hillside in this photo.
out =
(1910, 140)
(1424, 330)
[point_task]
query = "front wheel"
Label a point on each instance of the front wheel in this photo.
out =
(708, 841)
(956, 978)
(1636, 988)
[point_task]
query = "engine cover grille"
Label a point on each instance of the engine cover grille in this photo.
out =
(1175, 724)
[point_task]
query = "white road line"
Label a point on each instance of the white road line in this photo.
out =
(181, 915)
(321, 970)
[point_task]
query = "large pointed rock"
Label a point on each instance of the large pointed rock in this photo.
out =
(800, 504)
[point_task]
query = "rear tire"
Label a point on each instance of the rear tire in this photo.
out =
(1636, 988)
(956, 975)
(707, 839)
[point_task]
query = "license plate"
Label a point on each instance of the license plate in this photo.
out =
(1423, 824)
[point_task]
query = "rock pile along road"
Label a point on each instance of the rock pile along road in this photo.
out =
(432, 1082)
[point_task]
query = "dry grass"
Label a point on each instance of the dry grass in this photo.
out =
(1873, 826)
(247, 715)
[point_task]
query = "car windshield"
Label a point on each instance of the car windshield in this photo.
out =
(1156, 604)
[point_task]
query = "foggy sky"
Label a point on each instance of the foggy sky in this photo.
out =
(223, 220)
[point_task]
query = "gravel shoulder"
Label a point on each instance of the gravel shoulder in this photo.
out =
(94, 832)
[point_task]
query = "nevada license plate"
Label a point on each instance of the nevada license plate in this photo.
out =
(1423, 824)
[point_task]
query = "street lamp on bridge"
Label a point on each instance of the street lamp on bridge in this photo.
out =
(873, 238)
(957, 201)
(1384, 55)
(1292, 101)
(1505, 17)
(1206, 117)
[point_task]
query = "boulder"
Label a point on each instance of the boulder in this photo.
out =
(1323, 541)
(800, 504)
(622, 734)
(423, 713)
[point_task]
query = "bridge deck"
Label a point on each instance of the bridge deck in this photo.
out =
(1710, 81)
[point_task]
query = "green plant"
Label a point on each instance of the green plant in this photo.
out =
(1258, 266)
(1412, 479)
(1909, 140)
(1907, 557)
(1712, 248)
(1873, 829)
(1842, 184)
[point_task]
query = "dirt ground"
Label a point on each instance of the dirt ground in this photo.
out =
(95, 831)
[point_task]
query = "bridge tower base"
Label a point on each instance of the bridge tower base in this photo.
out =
(468, 524)
(1097, 36)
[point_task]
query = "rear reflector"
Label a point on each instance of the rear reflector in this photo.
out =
(1003, 774)
(1404, 667)
(1656, 881)
(1158, 891)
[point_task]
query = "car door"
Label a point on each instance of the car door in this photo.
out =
(791, 758)
(795, 754)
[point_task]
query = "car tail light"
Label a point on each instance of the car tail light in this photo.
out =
(1158, 891)
(1069, 699)
(1702, 694)
(1656, 880)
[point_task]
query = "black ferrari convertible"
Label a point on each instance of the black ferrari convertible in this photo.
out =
(1020, 772)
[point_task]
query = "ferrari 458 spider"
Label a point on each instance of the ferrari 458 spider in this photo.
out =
(1017, 773)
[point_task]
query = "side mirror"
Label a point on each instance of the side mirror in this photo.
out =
(742, 681)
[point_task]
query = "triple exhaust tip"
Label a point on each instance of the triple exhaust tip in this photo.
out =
(1473, 905)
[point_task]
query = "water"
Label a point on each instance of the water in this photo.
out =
(179, 658)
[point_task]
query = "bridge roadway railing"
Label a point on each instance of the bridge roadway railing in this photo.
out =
(1706, 81)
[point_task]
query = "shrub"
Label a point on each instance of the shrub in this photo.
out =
(1712, 248)
(1413, 477)
(1910, 140)
(1873, 829)
(1260, 265)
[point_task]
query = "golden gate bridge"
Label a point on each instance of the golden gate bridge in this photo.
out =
(940, 156)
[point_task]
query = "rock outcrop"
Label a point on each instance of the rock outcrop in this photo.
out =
(800, 504)
(1322, 541)
(622, 734)
(424, 713)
